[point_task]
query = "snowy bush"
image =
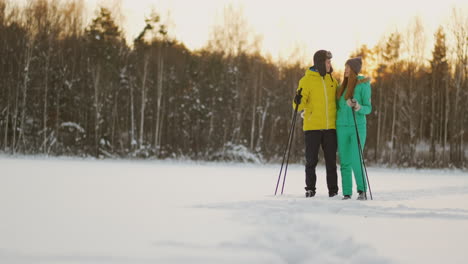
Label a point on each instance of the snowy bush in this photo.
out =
(70, 138)
(237, 153)
(144, 151)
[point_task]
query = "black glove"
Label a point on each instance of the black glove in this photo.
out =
(298, 98)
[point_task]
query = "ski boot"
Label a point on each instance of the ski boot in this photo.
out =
(362, 196)
(309, 193)
(346, 197)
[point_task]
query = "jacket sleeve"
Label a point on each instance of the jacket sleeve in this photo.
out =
(305, 97)
(366, 105)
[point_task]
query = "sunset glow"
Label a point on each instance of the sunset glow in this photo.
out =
(292, 29)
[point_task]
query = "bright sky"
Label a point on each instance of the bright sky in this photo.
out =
(336, 25)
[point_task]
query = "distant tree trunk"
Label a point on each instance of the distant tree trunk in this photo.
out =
(46, 90)
(262, 125)
(57, 114)
(432, 120)
(132, 118)
(446, 120)
(385, 114)
(226, 126)
(143, 101)
(410, 106)
(236, 135)
(462, 93)
(275, 129)
(240, 109)
(458, 115)
(392, 138)
(162, 114)
(212, 116)
(421, 120)
(7, 120)
(97, 115)
(114, 117)
(254, 110)
(463, 125)
(157, 130)
(27, 71)
(462, 136)
(379, 125)
(263, 114)
(440, 112)
(15, 121)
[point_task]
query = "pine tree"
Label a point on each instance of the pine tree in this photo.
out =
(105, 43)
(439, 96)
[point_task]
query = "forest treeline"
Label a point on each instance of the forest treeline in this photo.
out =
(76, 88)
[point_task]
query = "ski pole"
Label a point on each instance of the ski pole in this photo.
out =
(289, 151)
(363, 163)
(288, 148)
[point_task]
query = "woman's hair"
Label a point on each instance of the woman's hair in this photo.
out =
(349, 82)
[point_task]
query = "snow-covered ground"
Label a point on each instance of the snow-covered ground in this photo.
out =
(75, 211)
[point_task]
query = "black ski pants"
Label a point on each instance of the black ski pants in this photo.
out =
(313, 140)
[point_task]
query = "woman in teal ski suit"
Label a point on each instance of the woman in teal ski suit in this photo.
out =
(353, 95)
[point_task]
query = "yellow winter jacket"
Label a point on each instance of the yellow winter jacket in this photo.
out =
(318, 101)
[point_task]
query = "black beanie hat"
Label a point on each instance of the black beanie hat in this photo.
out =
(319, 61)
(355, 64)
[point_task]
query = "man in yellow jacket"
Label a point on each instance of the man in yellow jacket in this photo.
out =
(317, 101)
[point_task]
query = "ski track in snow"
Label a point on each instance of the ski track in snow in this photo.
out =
(286, 223)
(364, 209)
(421, 193)
(284, 229)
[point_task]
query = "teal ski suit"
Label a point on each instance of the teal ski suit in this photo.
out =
(348, 150)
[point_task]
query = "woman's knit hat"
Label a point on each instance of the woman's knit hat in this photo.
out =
(355, 64)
